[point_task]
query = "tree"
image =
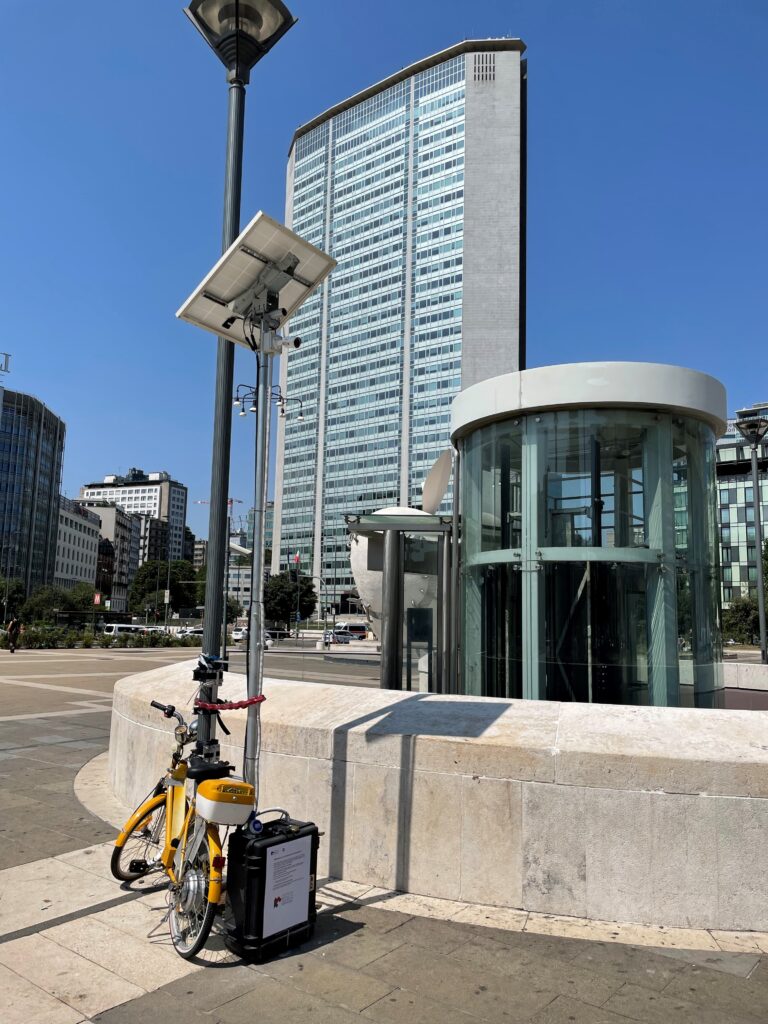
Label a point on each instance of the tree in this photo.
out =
(741, 620)
(149, 583)
(234, 609)
(13, 596)
(43, 604)
(280, 598)
(80, 598)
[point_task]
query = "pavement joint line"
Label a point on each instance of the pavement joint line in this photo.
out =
(56, 714)
(74, 915)
(16, 681)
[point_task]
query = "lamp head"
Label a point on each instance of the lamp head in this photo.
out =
(240, 32)
(751, 426)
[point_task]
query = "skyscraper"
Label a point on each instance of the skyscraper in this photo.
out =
(417, 187)
(31, 454)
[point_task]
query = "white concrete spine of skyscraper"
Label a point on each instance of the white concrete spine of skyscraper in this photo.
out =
(77, 545)
(416, 187)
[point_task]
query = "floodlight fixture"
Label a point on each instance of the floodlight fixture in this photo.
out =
(240, 32)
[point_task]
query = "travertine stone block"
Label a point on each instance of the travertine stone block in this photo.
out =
(491, 842)
(554, 849)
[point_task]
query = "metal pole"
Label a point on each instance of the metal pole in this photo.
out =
(759, 556)
(256, 621)
(391, 614)
(222, 418)
(225, 602)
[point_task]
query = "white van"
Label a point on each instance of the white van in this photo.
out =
(115, 628)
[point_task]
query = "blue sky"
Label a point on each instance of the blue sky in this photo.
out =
(647, 207)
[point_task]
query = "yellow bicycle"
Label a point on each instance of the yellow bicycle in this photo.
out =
(178, 833)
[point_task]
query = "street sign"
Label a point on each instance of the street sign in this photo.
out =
(167, 598)
(97, 598)
(108, 604)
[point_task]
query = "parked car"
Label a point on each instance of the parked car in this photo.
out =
(190, 631)
(239, 633)
(337, 636)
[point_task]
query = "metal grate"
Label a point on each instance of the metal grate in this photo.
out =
(485, 67)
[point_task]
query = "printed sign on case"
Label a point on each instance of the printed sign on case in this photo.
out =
(286, 891)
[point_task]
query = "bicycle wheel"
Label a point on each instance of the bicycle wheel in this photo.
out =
(191, 916)
(140, 852)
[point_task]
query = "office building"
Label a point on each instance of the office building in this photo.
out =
(77, 545)
(736, 512)
(31, 455)
(117, 565)
(416, 186)
(150, 494)
(200, 554)
(188, 549)
(153, 539)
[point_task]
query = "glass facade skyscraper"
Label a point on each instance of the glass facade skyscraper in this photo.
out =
(416, 187)
(31, 456)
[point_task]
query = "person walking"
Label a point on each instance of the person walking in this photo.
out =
(14, 628)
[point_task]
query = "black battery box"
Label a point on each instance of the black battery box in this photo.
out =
(271, 879)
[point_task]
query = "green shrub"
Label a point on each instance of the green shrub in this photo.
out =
(87, 639)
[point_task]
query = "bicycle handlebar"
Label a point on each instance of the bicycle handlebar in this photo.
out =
(168, 710)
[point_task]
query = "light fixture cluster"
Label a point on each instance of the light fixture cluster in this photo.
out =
(245, 394)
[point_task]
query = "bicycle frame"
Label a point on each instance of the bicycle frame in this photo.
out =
(178, 818)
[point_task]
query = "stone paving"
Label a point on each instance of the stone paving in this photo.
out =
(75, 946)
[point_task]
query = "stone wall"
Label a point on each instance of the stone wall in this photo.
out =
(648, 815)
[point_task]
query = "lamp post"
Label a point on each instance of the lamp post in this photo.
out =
(753, 429)
(240, 33)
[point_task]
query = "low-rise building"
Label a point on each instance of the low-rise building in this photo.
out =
(123, 532)
(736, 512)
(77, 545)
(148, 494)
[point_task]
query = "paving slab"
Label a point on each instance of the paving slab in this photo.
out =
(127, 956)
(334, 983)
(271, 1002)
(38, 892)
(72, 979)
(640, 1004)
(402, 1007)
(23, 1002)
(467, 987)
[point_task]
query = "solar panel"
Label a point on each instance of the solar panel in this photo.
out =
(252, 257)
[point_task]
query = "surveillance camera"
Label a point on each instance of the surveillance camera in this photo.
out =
(291, 342)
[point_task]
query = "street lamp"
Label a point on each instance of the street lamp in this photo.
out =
(244, 394)
(240, 32)
(753, 429)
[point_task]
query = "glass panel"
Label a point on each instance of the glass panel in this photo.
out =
(492, 478)
(594, 479)
(596, 632)
(493, 631)
(420, 615)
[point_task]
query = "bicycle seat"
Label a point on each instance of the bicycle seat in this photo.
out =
(198, 770)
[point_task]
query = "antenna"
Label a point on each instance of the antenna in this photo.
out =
(5, 364)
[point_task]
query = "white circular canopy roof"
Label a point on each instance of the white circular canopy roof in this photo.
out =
(591, 386)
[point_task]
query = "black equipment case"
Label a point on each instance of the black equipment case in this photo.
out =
(271, 879)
